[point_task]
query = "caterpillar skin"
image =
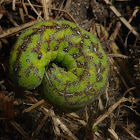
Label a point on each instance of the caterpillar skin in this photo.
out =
(66, 60)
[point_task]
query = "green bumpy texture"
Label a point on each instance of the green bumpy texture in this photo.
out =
(66, 60)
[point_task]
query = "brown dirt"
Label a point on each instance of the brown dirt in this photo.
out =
(24, 115)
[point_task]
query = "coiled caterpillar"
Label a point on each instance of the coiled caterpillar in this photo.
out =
(66, 60)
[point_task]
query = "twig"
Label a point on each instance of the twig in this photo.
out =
(24, 7)
(41, 124)
(111, 109)
(33, 106)
(1, 1)
(45, 9)
(66, 13)
(11, 18)
(76, 117)
(27, 4)
(34, 9)
(18, 128)
(122, 19)
(130, 133)
(60, 7)
(13, 5)
(56, 9)
(132, 110)
(118, 56)
(57, 123)
(15, 30)
(134, 13)
(129, 90)
(119, 65)
(115, 33)
(117, 69)
(21, 15)
(113, 134)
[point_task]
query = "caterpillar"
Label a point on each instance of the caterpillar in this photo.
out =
(66, 61)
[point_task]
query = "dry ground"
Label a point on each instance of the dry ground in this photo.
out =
(24, 115)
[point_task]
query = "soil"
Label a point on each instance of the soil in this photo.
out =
(116, 115)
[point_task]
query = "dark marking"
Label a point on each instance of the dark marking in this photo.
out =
(99, 55)
(27, 60)
(48, 49)
(85, 36)
(66, 49)
(56, 48)
(39, 55)
(28, 70)
(99, 78)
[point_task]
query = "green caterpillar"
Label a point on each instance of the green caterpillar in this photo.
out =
(66, 60)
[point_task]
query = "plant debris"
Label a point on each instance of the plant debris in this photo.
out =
(116, 115)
